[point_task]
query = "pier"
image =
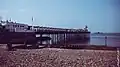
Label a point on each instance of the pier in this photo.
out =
(46, 36)
(62, 37)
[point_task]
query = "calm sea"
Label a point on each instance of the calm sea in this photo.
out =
(113, 39)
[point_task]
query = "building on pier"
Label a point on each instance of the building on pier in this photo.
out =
(19, 27)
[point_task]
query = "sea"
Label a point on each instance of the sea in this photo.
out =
(109, 39)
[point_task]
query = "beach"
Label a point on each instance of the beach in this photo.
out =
(56, 57)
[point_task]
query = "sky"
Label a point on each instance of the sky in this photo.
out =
(98, 15)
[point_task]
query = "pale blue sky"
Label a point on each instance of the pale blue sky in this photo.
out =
(99, 15)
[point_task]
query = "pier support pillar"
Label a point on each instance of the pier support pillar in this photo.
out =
(52, 40)
(40, 39)
(57, 38)
(64, 39)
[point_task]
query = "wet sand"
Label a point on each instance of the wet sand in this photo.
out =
(56, 57)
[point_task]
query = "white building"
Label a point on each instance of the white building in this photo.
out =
(16, 27)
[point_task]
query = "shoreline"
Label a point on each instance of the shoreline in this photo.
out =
(80, 46)
(86, 46)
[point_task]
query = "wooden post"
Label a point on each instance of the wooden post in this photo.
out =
(9, 45)
(105, 40)
(25, 43)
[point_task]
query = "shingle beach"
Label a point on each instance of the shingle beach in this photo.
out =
(56, 57)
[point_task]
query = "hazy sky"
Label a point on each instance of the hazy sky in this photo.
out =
(99, 15)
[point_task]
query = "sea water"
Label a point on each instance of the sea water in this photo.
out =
(113, 39)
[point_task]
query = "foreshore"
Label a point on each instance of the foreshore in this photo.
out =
(58, 57)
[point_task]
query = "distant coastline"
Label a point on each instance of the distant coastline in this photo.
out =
(106, 33)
